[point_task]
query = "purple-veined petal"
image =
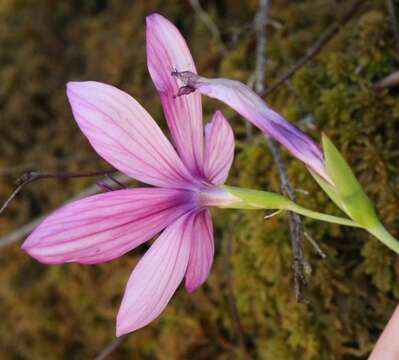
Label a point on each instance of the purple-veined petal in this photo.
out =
(105, 226)
(219, 149)
(251, 106)
(125, 135)
(167, 51)
(201, 252)
(156, 277)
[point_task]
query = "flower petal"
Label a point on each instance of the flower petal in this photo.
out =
(156, 277)
(219, 149)
(125, 135)
(167, 51)
(251, 106)
(105, 226)
(201, 252)
(386, 347)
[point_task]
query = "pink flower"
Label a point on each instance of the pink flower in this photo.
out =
(105, 226)
(252, 107)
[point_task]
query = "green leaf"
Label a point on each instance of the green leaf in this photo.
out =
(348, 193)
(330, 190)
(339, 170)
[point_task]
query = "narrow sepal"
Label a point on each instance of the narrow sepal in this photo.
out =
(353, 198)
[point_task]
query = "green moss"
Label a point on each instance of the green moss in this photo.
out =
(68, 312)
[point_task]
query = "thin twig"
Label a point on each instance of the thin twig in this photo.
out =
(12, 196)
(260, 25)
(394, 22)
(317, 46)
(111, 348)
(315, 245)
(208, 22)
(294, 221)
(302, 191)
(116, 181)
(248, 125)
(32, 176)
(273, 214)
(26, 229)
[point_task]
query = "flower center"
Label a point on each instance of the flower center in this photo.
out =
(216, 196)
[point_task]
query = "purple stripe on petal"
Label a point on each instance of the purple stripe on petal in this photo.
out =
(156, 277)
(201, 252)
(125, 135)
(105, 226)
(251, 106)
(166, 51)
(219, 149)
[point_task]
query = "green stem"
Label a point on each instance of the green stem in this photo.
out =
(256, 199)
(323, 217)
(385, 237)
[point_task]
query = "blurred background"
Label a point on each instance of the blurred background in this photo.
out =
(247, 308)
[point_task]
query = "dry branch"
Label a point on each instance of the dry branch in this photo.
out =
(26, 229)
(208, 22)
(32, 176)
(294, 221)
(111, 348)
(317, 47)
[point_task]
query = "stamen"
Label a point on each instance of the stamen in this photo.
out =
(188, 79)
(184, 90)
